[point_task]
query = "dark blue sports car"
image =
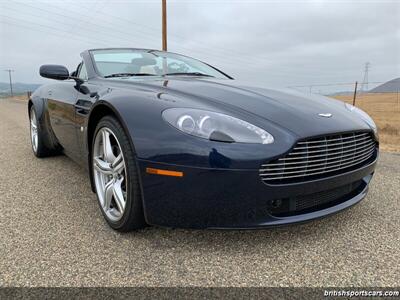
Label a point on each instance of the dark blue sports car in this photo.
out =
(169, 140)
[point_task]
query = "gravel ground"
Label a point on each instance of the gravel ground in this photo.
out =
(53, 234)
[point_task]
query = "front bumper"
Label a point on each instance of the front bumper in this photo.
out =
(233, 198)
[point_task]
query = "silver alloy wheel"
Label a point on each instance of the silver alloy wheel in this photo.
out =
(109, 172)
(34, 131)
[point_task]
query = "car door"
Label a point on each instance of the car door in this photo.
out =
(86, 97)
(61, 99)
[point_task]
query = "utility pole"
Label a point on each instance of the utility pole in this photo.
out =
(364, 86)
(9, 76)
(164, 25)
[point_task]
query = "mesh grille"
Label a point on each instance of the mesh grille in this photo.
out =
(316, 201)
(320, 157)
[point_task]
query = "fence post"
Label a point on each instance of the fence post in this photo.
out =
(355, 94)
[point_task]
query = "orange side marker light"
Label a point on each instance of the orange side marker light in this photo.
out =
(164, 172)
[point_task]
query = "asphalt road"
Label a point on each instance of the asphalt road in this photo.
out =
(53, 234)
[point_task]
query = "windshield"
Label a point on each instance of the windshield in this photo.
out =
(132, 62)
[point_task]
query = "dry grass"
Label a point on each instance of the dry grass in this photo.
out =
(384, 108)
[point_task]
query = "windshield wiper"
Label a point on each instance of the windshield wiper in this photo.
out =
(189, 74)
(128, 74)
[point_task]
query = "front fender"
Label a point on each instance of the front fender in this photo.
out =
(38, 102)
(40, 106)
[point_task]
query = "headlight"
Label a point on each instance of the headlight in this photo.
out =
(215, 126)
(363, 115)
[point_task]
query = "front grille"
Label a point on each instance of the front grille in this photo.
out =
(315, 201)
(316, 158)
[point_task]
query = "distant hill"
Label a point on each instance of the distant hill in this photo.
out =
(18, 88)
(392, 86)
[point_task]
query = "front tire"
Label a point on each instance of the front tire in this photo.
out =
(115, 176)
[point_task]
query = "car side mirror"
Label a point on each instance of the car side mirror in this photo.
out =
(54, 72)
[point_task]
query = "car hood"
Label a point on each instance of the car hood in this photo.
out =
(297, 112)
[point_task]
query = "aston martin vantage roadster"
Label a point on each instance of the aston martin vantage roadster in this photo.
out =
(172, 141)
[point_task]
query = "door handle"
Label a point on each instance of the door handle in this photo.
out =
(50, 93)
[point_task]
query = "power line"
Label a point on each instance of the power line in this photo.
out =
(156, 30)
(73, 36)
(199, 44)
(66, 31)
(79, 38)
(94, 9)
(105, 42)
(113, 30)
(74, 20)
(9, 76)
(209, 54)
(206, 51)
